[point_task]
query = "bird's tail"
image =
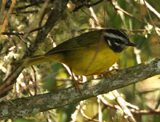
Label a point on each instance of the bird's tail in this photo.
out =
(30, 61)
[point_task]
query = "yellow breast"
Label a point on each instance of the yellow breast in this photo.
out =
(87, 61)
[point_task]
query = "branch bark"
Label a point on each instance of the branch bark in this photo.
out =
(24, 106)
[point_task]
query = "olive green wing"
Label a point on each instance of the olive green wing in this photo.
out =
(90, 39)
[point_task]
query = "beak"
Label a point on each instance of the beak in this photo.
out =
(132, 44)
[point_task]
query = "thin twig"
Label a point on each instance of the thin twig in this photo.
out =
(117, 7)
(122, 103)
(154, 27)
(7, 17)
(133, 111)
(34, 80)
(88, 118)
(151, 9)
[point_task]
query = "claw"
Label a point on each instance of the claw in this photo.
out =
(76, 83)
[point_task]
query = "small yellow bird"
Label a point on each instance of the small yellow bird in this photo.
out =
(88, 54)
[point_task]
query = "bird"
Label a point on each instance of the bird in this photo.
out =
(88, 54)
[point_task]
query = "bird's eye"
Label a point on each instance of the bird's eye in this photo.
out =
(118, 41)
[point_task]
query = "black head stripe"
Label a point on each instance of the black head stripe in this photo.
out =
(117, 32)
(115, 39)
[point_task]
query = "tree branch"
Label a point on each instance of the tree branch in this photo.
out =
(24, 106)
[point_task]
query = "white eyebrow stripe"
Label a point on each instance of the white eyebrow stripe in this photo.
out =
(111, 35)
